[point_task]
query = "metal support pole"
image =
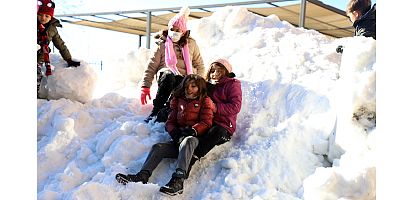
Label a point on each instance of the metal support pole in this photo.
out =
(302, 13)
(148, 30)
(140, 41)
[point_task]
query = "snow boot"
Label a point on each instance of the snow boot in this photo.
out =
(152, 115)
(175, 185)
(162, 115)
(142, 176)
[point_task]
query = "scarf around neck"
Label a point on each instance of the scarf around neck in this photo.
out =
(43, 41)
(170, 57)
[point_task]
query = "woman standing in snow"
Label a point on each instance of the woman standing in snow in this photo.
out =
(191, 117)
(226, 93)
(177, 55)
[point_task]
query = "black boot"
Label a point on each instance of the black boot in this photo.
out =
(142, 176)
(153, 114)
(175, 185)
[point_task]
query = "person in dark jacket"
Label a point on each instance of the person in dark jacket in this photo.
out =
(226, 93)
(191, 117)
(177, 55)
(46, 33)
(363, 17)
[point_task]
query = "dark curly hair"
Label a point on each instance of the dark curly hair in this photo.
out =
(198, 80)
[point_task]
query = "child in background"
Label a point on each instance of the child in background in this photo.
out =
(46, 33)
(363, 17)
(191, 117)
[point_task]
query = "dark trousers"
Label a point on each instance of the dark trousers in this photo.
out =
(170, 150)
(217, 135)
(166, 83)
(39, 77)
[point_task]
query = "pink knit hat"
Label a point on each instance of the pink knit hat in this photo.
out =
(180, 19)
(225, 63)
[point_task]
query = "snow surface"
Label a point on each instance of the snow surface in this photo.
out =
(295, 89)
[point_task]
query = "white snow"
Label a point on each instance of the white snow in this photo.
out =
(295, 87)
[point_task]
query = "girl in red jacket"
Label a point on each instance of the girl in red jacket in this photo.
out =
(191, 117)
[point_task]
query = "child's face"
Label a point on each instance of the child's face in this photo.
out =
(192, 90)
(353, 16)
(43, 18)
(216, 72)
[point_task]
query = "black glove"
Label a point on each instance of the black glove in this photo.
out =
(72, 63)
(177, 136)
(189, 132)
(339, 49)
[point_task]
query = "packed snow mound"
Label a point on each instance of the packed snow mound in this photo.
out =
(72, 83)
(263, 48)
(289, 77)
(351, 177)
(352, 143)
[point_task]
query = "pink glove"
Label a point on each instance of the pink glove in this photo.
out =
(145, 92)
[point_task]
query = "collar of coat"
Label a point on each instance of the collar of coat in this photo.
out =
(370, 15)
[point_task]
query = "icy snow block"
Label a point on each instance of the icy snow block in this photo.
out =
(354, 90)
(76, 84)
(335, 151)
(320, 146)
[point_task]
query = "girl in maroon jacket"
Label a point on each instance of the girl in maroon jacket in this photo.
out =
(226, 93)
(191, 117)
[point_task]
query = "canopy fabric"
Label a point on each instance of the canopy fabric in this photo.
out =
(320, 17)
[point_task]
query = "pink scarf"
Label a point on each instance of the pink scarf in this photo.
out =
(170, 57)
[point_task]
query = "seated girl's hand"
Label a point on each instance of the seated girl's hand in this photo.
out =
(189, 132)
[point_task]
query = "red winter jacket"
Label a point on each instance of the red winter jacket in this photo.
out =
(227, 96)
(190, 113)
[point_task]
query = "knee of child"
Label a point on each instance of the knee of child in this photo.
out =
(158, 146)
(190, 139)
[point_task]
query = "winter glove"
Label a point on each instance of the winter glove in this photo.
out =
(72, 63)
(179, 139)
(177, 136)
(175, 132)
(145, 91)
(339, 49)
(48, 72)
(189, 132)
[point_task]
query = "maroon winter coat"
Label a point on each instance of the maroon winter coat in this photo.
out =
(190, 113)
(227, 96)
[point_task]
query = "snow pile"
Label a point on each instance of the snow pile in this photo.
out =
(354, 175)
(71, 83)
(124, 72)
(289, 80)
